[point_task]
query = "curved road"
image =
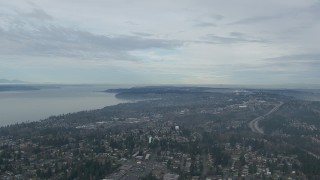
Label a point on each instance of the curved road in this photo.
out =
(254, 124)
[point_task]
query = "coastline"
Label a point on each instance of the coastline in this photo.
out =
(36, 105)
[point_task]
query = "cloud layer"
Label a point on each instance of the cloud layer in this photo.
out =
(30, 34)
(184, 41)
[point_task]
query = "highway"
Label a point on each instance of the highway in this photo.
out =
(254, 124)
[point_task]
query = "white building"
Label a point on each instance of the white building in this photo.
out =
(176, 128)
(170, 176)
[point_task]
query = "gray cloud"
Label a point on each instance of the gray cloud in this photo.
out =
(313, 9)
(142, 34)
(37, 13)
(23, 37)
(131, 23)
(299, 62)
(237, 34)
(217, 16)
(233, 38)
(257, 19)
(207, 20)
(297, 58)
(205, 24)
(45, 34)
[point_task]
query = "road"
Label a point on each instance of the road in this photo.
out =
(254, 124)
(311, 154)
(204, 157)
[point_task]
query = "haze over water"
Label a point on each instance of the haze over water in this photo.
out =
(22, 106)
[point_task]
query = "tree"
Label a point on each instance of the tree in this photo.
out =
(242, 160)
(252, 168)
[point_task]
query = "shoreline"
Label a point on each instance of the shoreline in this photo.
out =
(32, 106)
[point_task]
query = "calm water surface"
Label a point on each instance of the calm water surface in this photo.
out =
(22, 106)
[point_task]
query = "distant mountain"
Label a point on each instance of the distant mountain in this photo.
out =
(17, 87)
(6, 81)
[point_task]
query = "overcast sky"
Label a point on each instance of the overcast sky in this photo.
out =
(161, 42)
